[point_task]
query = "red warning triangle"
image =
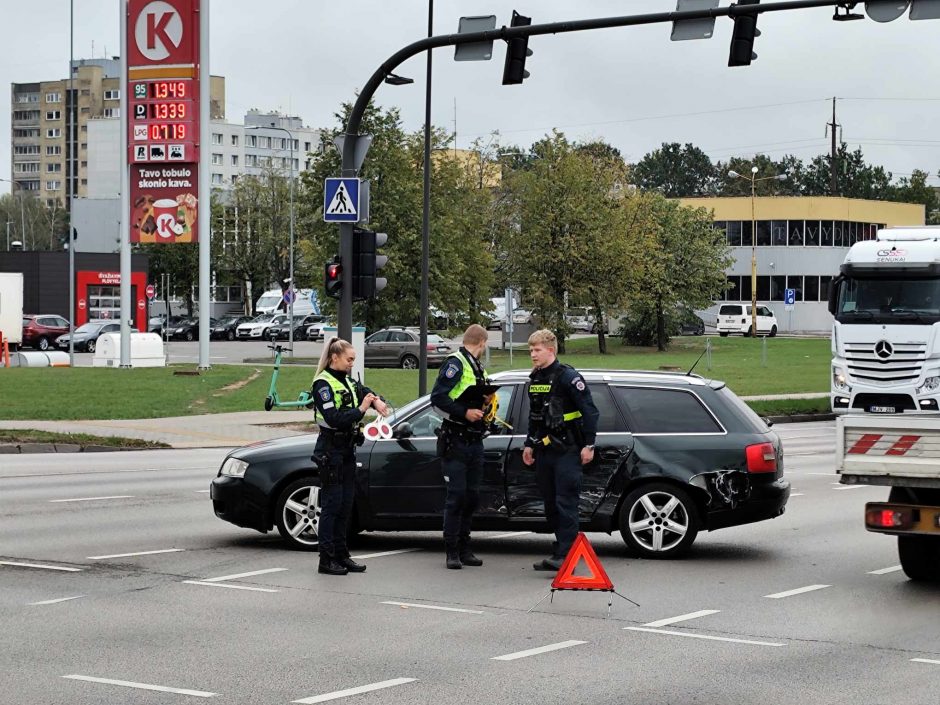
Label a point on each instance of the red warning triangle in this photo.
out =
(565, 579)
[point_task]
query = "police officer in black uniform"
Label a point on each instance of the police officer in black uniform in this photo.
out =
(341, 402)
(562, 429)
(458, 396)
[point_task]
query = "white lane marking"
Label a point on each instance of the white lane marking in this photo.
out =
(92, 499)
(55, 602)
(681, 618)
(430, 607)
(144, 686)
(796, 591)
(704, 636)
(356, 691)
(508, 536)
(40, 565)
(884, 571)
(232, 587)
(203, 491)
(926, 660)
(243, 575)
(536, 651)
(850, 487)
(823, 474)
(139, 553)
(136, 470)
(796, 494)
(386, 553)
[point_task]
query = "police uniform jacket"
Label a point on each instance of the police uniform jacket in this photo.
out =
(450, 375)
(569, 385)
(345, 418)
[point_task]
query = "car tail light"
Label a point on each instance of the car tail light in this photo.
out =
(761, 457)
(889, 518)
(431, 347)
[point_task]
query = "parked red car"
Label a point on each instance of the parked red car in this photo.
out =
(41, 331)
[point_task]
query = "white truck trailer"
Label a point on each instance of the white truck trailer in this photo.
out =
(900, 451)
(885, 342)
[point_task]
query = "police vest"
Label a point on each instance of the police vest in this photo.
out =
(540, 395)
(344, 397)
(472, 375)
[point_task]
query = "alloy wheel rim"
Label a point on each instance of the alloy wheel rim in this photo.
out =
(658, 521)
(301, 515)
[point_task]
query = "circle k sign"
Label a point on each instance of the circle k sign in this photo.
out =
(162, 32)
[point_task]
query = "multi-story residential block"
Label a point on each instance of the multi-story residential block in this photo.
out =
(45, 160)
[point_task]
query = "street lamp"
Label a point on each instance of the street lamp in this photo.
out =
(22, 212)
(753, 180)
(292, 288)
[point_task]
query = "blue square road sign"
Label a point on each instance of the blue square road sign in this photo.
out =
(341, 200)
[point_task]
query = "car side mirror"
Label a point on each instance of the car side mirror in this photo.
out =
(403, 431)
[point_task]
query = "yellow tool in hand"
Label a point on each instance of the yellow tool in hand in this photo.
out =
(490, 407)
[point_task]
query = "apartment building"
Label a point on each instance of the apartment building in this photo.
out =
(45, 161)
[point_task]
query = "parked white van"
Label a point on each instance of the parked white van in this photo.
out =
(271, 300)
(736, 318)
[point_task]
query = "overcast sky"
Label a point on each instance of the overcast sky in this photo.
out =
(631, 87)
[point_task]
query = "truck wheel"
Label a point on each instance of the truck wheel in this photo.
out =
(920, 557)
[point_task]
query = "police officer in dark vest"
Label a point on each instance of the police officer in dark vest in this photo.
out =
(458, 396)
(341, 403)
(562, 429)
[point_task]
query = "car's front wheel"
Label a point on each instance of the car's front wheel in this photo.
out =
(189, 336)
(723, 333)
(230, 335)
(409, 362)
(658, 520)
(297, 514)
(773, 332)
(90, 346)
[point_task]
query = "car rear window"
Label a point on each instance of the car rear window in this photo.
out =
(743, 411)
(729, 311)
(659, 410)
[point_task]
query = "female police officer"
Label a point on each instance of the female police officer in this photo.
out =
(341, 403)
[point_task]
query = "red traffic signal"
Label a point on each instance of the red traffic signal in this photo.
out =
(333, 278)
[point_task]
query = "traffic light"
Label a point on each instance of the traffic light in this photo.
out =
(367, 263)
(742, 39)
(333, 278)
(517, 52)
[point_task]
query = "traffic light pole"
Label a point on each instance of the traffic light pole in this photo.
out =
(506, 33)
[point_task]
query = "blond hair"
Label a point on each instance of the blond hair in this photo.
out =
(475, 334)
(545, 338)
(335, 346)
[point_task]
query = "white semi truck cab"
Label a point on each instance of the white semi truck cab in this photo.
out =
(886, 305)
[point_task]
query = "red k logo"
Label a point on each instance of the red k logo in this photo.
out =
(159, 30)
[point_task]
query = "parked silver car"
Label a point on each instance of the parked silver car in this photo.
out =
(399, 347)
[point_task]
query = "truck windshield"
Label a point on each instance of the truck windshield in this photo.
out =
(879, 301)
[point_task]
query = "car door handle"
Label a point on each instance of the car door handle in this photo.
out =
(612, 454)
(493, 455)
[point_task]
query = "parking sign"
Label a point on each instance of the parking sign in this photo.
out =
(789, 296)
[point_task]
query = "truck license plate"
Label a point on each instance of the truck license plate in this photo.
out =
(881, 409)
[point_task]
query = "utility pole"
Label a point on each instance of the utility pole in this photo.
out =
(834, 158)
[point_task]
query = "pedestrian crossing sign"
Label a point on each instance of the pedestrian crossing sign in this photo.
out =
(341, 201)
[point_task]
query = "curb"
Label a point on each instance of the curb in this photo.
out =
(33, 448)
(800, 418)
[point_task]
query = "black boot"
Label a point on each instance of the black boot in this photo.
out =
(347, 562)
(330, 566)
(466, 555)
(453, 558)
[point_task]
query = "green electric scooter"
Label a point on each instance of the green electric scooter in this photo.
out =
(273, 400)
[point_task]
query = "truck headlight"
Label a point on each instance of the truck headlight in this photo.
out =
(233, 467)
(930, 385)
(839, 380)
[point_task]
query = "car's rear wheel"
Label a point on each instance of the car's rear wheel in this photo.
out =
(658, 520)
(723, 334)
(409, 362)
(230, 335)
(90, 346)
(297, 514)
(42, 344)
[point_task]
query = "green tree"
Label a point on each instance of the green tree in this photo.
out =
(789, 166)
(683, 264)
(676, 171)
(855, 178)
(32, 222)
(916, 190)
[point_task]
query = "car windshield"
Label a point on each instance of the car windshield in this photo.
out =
(878, 301)
(264, 318)
(88, 327)
(269, 301)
